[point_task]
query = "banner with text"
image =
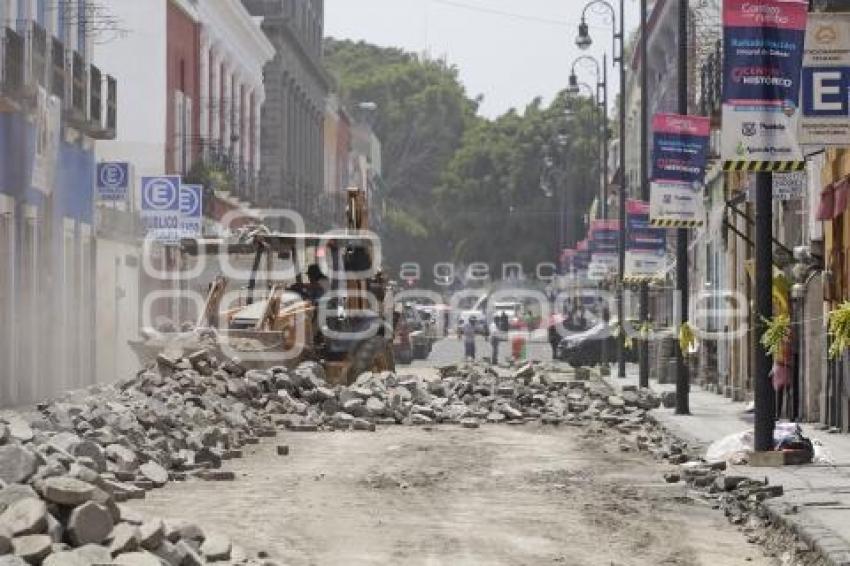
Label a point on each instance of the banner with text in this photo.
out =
(679, 157)
(762, 62)
(826, 81)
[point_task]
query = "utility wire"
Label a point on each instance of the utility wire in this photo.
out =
(513, 15)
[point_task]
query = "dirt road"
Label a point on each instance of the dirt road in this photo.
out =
(498, 495)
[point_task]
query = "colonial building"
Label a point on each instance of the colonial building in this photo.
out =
(293, 116)
(191, 107)
(53, 104)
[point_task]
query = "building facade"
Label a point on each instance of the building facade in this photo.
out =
(293, 116)
(54, 103)
(201, 87)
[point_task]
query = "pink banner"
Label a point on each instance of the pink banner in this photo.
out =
(637, 207)
(780, 14)
(677, 124)
(597, 225)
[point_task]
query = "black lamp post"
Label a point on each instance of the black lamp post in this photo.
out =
(601, 88)
(584, 41)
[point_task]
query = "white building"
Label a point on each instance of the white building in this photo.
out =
(191, 75)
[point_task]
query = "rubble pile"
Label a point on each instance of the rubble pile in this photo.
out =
(66, 471)
(469, 395)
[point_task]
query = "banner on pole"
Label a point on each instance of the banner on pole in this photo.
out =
(640, 234)
(680, 153)
(826, 81)
(763, 57)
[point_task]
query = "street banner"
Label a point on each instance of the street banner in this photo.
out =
(112, 180)
(680, 154)
(640, 234)
(644, 265)
(604, 236)
(762, 63)
(826, 81)
(160, 208)
(191, 211)
(789, 186)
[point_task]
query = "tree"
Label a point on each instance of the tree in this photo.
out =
(462, 188)
(422, 113)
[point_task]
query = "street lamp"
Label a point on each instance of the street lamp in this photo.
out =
(583, 41)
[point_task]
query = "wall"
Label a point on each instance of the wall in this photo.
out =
(182, 89)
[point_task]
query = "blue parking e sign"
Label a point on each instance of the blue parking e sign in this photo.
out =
(191, 210)
(161, 208)
(113, 180)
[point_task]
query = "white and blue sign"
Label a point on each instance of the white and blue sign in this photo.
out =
(113, 180)
(191, 210)
(826, 81)
(763, 45)
(160, 208)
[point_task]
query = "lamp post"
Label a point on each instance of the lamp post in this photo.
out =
(601, 88)
(584, 41)
(599, 125)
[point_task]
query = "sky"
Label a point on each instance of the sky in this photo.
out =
(509, 51)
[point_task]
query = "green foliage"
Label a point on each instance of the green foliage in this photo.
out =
(211, 177)
(839, 329)
(460, 187)
(776, 333)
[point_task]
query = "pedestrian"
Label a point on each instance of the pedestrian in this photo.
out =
(494, 341)
(468, 332)
(446, 322)
(554, 338)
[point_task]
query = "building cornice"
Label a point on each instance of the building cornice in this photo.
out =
(232, 31)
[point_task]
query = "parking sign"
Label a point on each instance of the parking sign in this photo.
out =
(161, 208)
(191, 210)
(113, 180)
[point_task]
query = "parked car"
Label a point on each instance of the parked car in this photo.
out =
(586, 348)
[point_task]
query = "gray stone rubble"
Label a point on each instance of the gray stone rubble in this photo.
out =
(66, 471)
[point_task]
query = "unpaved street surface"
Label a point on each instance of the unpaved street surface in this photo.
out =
(498, 495)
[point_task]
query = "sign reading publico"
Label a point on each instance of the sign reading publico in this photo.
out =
(826, 81)
(113, 180)
(763, 55)
(160, 210)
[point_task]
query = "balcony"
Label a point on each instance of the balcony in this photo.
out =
(12, 65)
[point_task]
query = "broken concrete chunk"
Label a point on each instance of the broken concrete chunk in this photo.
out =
(26, 516)
(66, 490)
(89, 523)
(32, 548)
(216, 548)
(17, 464)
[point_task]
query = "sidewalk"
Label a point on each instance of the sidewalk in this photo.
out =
(816, 504)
